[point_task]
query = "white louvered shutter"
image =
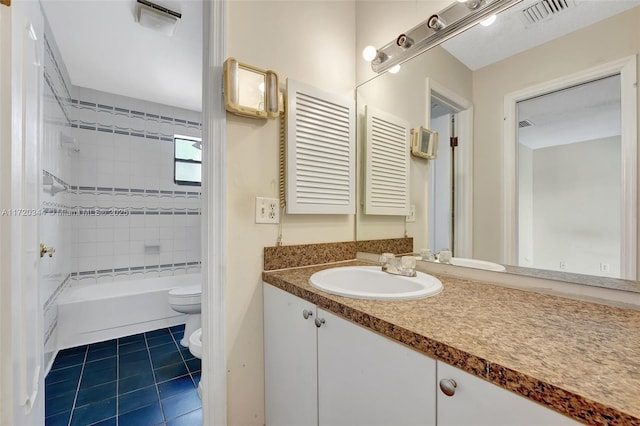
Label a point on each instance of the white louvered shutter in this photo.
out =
(320, 151)
(386, 164)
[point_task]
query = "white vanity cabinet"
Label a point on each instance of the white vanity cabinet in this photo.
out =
(291, 360)
(473, 401)
(324, 370)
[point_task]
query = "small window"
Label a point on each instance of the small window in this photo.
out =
(187, 169)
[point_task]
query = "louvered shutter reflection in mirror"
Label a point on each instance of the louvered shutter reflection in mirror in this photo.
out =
(320, 151)
(386, 177)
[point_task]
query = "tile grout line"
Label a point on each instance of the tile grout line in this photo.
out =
(182, 356)
(155, 380)
(75, 397)
(117, 380)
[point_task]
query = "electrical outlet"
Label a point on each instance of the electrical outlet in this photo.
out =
(267, 210)
(604, 267)
(411, 217)
(563, 264)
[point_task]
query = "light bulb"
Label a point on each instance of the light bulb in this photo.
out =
(394, 69)
(369, 53)
(490, 20)
(462, 1)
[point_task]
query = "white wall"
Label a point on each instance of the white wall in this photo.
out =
(525, 206)
(312, 42)
(608, 40)
(576, 207)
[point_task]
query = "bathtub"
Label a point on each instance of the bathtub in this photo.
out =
(96, 312)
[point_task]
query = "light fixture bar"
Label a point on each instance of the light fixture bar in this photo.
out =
(438, 28)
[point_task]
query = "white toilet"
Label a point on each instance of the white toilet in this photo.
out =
(187, 300)
(195, 343)
(195, 347)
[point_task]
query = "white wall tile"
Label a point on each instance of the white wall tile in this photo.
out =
(121, 161)
(87, 263)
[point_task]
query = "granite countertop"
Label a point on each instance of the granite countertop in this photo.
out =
(579, 358)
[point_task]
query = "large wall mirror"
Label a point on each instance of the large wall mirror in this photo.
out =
(545, 113)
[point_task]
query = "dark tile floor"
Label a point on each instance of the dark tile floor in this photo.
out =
(144, 379)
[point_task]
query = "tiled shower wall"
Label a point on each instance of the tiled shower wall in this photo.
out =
(57, 168)
(146, 224)
(119, 216)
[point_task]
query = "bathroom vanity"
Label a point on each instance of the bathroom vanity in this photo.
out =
(474, 354)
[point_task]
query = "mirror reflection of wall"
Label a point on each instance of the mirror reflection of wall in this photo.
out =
(442, 208)
(569, 179)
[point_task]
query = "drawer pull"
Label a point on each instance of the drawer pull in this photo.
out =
(307, 313)
(319, 322)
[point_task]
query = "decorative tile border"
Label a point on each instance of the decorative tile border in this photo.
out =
(133, 269)
(128, 113)
(58, 70)
(100, 190)
(56, 293)
(50, 330)
(62, 101)
(133, 113)
(282, 257)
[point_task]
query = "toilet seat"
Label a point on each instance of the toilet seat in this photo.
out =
(195, 343)
(187, 295)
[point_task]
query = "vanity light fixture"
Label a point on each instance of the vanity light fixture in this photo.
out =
(369, 53)
(394, 69)
(449, 22)
(490, 20)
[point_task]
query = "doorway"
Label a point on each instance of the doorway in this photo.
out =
(513, 252)
(443, 208)
(569, 179)
(451, 173)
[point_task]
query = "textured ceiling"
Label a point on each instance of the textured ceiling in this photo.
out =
(511, 34)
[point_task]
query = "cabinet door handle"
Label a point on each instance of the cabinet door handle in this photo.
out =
(448, 386)
(319, 322)
(307, 313)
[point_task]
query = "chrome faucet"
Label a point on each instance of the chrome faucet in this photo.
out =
(443, 255)
(406, 268)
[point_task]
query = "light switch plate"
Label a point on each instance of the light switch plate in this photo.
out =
(411, 217)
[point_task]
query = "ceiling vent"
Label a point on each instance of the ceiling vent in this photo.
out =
(545, 9)
(525, 123)
(156, 17)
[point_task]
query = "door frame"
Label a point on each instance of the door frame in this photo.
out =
(6, 332)
(214, 205)
(627, 68)
(463, 195)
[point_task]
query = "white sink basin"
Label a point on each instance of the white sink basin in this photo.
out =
(370, 282)
(478, 264)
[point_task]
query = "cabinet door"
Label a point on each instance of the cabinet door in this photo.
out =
(479, 403)
(367, 379)
(290, 355)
